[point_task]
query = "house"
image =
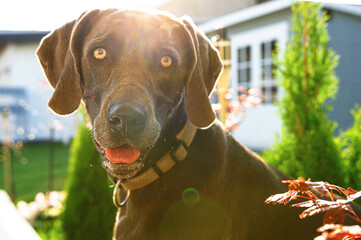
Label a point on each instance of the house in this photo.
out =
(24, 92)
(254, 32)
(254, 27)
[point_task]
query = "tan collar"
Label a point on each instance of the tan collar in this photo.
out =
(176, 155)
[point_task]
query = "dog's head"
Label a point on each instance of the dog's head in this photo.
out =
(132, 69)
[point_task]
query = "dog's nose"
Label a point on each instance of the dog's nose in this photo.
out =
(127, 119)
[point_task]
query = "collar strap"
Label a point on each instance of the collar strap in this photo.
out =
(166, 162)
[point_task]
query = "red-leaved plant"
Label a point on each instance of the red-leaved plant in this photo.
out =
(335, 210)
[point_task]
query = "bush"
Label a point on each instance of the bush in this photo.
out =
(350, 141)
(89, 211)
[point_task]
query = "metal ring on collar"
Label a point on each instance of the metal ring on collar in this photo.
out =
(116, 197)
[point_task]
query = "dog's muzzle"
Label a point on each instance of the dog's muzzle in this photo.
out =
(164, 164)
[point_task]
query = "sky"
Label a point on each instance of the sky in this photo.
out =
(49, 14)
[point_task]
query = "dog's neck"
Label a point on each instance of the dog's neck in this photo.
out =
(167, 138)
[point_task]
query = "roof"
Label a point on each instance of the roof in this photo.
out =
(21, 36)
(204, 10)
(264, 9)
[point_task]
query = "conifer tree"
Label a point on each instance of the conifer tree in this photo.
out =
(89, 211)
(306, 72)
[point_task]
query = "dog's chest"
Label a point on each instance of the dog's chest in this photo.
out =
(191, 219)
(140, 225)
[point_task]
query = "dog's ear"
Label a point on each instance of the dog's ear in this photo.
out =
(202, 79)
(59, 54)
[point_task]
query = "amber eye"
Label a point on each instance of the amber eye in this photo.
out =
(166, 61)
(100, 53)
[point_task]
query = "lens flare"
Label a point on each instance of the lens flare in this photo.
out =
(190, 196)
(195, 217)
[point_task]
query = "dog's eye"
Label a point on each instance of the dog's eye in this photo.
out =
(100, 53)
(166, 61)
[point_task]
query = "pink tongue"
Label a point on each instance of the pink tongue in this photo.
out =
(122, 154)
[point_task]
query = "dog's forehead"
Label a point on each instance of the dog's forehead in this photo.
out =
(133, 25)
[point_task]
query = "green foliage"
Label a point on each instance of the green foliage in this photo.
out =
(350, 141)
(306, 146)
(50, 229)
(89, 211)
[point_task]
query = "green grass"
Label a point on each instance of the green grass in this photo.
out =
(30, 169)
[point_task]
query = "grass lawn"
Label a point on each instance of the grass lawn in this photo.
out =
(30, 169)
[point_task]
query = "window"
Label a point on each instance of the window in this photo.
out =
(253, 64)
(244, 67)
(268, 81)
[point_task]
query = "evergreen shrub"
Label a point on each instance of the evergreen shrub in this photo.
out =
(89, 211)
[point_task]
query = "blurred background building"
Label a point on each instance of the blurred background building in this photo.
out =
(254, 29)
(24, 92)
(204, 10)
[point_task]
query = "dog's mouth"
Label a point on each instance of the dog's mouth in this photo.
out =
(122, 162)
(123, 154)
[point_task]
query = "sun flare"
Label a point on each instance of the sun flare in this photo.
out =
(48, 15)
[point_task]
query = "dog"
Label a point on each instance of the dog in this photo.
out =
(145, 78)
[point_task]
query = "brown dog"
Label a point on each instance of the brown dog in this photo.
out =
(145, 78)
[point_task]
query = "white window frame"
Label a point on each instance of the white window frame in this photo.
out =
(242, 65)
(254, 39)
(268, 79)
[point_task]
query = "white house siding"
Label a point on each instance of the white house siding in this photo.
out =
(5, 59)
(30, 118)
(260, 124)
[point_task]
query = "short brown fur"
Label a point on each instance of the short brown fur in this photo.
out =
(218, 191)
